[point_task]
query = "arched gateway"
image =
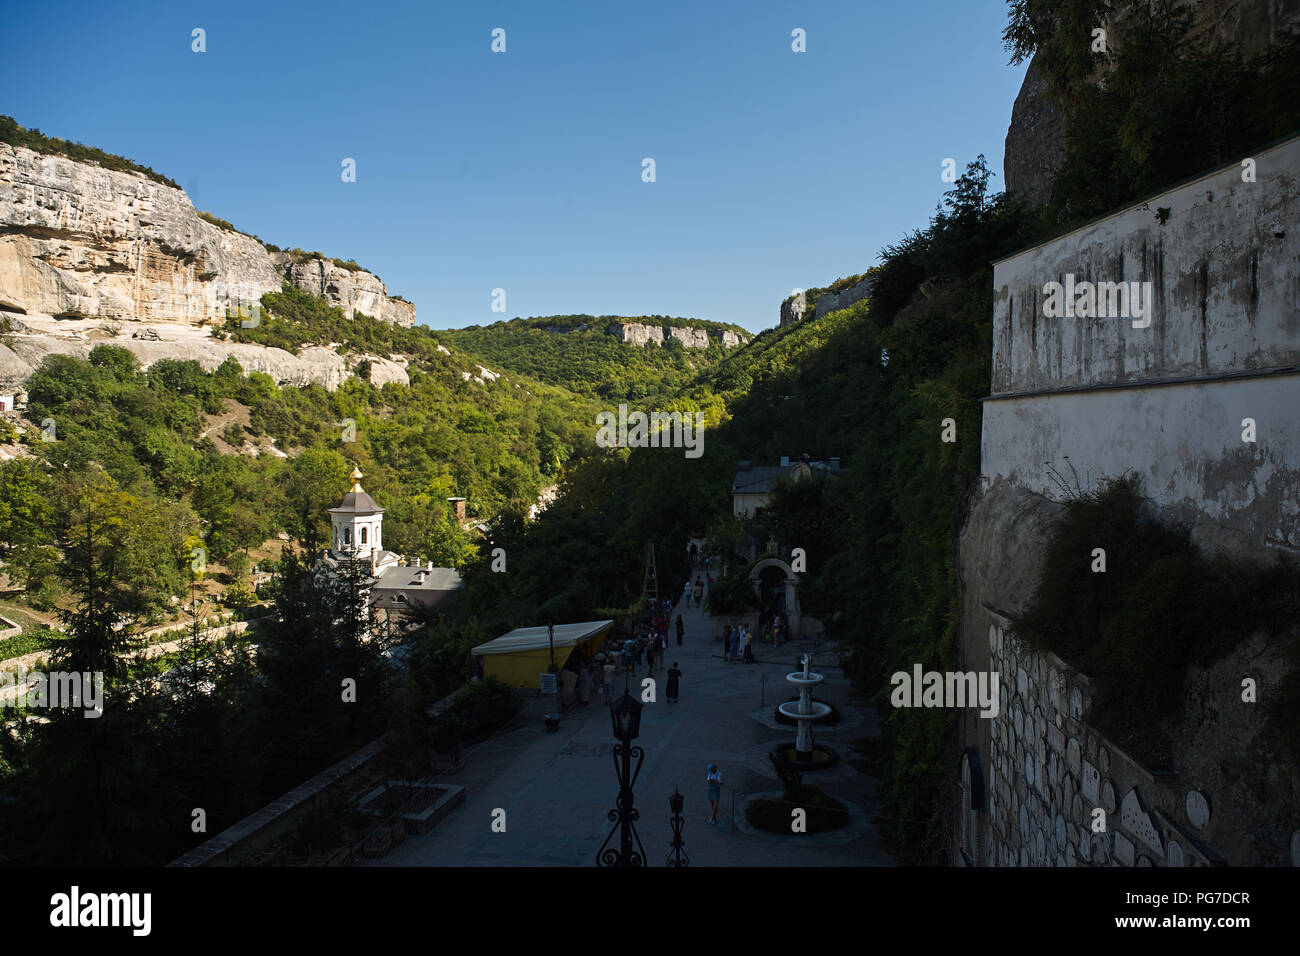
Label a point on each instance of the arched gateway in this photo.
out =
(773, 572)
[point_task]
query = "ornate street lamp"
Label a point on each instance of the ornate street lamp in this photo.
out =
(625, 715)
(677, 858)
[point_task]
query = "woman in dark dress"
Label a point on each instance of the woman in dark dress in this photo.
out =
(674, 677)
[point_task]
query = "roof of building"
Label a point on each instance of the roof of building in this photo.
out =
(523, 639)
(403, 578)
(756, 481)
(759, 479)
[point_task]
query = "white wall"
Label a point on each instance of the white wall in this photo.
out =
(1226, 286)
(1186, 440)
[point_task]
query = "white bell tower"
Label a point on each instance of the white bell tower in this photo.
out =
(358, 524)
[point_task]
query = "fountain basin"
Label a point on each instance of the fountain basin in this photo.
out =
(799, 679)
(816, 710)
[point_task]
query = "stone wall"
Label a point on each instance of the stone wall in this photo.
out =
(1049, 770)
(1094, 398)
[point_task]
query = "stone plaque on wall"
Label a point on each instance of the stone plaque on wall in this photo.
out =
(1135, 818)
(1091, 783)
(1198, 809)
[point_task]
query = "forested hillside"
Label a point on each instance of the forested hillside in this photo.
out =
(578, 353)
(234, 459)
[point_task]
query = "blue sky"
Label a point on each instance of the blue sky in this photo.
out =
(523, 170)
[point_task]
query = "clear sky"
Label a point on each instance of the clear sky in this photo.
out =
(522, 170)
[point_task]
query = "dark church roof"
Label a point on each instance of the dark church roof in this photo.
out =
(357, 502)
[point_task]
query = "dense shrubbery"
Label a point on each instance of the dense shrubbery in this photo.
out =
(34, 139)
(483, 707)
(1169, 109)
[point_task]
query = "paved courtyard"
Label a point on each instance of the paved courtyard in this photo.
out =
(557, 788)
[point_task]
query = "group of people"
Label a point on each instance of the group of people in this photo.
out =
(738, 644)
(697, 590)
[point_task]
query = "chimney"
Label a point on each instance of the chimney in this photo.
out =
(785, 461)
(744, 465)
(835, 464)
(459, 505)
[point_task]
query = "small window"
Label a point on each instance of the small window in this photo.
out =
(363, 535)
(347, 535)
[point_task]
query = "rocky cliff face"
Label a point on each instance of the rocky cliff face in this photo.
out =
(792, 311)
(833, 301)
(352, 290)
(820, 301)
(1035, 142)
(640, 334)
(78, 241)
(85, 242)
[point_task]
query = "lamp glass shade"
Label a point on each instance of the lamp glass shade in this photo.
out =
(626, 715)
(675, 803)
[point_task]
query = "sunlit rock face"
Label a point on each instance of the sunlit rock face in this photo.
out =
(79, 241)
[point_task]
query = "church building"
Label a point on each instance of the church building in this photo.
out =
(396, 586)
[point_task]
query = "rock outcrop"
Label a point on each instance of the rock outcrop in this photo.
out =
(821, 301)
(792, 310)
(352, 290)
(80, 241)
(691, 338)
(22, 352)
(834, 301)
(636, 333)
(641, 334)
(1035, 144)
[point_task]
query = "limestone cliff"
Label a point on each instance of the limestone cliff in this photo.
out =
(640, 334)
(80, 241)
(352, 290)
(821, 301)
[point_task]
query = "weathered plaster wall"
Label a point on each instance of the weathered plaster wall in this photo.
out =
(1186, 442)
(1224, 269)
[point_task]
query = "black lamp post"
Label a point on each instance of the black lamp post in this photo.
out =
(626, 717)
(677, 858)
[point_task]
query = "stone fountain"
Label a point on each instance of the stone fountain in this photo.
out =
(804, 712)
